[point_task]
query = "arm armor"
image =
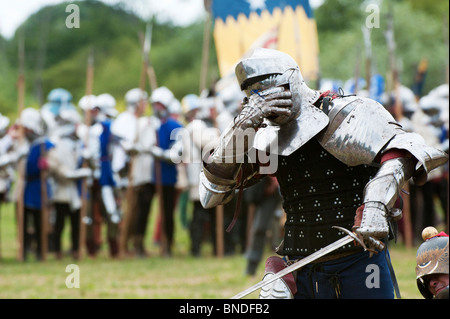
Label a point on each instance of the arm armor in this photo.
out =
(428, 157)
(11, 158)
(172, 155)
(225, 170)
(380, 195)
(61, 171)
(385, 187)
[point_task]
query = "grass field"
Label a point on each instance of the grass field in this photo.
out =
(178, 277)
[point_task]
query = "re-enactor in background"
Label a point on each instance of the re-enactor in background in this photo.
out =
(432, 264)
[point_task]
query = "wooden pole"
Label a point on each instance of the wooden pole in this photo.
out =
(445, 33)
(250, 219)
(219, 231)
(21, 167)
(84, 185)
(44, 204)
(368, 45)
(357, 67)
(206, 45)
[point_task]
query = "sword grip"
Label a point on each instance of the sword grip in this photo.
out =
(377, 244)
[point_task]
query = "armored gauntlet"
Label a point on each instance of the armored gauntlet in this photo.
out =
(221, 171)
(380, 195)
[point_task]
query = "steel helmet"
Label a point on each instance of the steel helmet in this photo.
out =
(87, 102)
(106, 103)
(31, 119)
(431, 258)
(134, 96)
(267, 68)
(175, 107)
(162, 95)
(58, 98)
(189, 103)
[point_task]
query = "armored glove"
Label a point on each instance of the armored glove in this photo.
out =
(238, 137)
(80, 173)
(264, 104)
(130, 148)
(371, 224)
(380, 195)
(172, 155)
(110, 204)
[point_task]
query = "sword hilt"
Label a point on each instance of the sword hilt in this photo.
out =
(377, 244)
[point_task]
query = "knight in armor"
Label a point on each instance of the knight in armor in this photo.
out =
(36, 163)
(199, 136)
(339, 161)
(65, 161)
(137, 135)
(57, 100)
(6, 144)
(104, 199)
(167, 152)
(432, 264)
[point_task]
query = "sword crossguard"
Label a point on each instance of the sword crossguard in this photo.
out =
(373, 242)
(351, 234)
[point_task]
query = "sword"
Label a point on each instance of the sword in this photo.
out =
(308, 259)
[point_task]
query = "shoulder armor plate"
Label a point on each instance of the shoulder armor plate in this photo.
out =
(359, 128)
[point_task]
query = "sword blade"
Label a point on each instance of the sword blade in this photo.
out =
(297, 265)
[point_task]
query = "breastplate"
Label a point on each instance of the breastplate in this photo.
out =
(318, 192)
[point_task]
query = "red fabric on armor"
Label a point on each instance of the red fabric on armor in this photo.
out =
(394, 153)
(441, 234)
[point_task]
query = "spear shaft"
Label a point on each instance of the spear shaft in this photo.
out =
(84, 185)
(21, 165)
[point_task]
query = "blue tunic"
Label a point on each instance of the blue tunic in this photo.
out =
(169, 170)
(32, 192)
(106, 172)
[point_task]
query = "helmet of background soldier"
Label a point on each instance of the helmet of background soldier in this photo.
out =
(58, 98)
(107, 104)
(431, 258)
(134, 96)
(231, 97)
(189, 105)
(435, 103)
(87, 102)
(175, 108)
(162, 98)
(68, 120)
(31, 119)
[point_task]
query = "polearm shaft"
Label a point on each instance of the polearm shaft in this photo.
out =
(21, 167)
(297, 265)
(84, 185)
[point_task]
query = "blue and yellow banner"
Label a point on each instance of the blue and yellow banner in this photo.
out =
(285, 25)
